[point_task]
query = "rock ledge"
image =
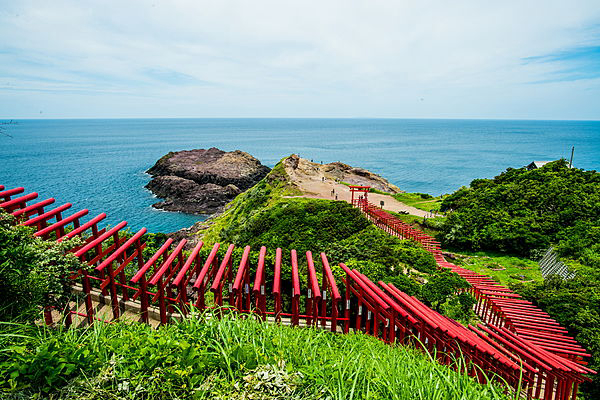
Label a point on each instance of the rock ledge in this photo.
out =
(203, 181)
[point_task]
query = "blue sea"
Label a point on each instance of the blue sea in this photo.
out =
(100, 164)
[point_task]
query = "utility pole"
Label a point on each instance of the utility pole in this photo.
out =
(571, 162)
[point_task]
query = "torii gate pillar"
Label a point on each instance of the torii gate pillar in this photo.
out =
(360, 199)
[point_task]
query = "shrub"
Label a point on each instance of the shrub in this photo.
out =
(33, 272)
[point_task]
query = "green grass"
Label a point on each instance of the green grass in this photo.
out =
(407, 218)
(418, 200)
(270, 190)
(429, 227)
(516, 269)
(377, 191)
(231, 358)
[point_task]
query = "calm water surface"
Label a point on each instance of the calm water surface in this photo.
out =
(100, 164)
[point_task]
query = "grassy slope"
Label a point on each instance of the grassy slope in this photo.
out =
(264, 194)
(418, 201)
(263, 216)
(230, 358)
(516, 269)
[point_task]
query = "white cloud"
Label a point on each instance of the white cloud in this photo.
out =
(279, 58)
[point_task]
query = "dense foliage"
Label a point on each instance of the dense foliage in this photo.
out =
(519, 211)
(228, 226)
(33, 272)
(229, 358)
(301, 224)
(522, 212)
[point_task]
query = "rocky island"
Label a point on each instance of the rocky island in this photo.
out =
(203, 181)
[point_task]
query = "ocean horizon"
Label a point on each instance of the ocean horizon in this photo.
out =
(100, 164)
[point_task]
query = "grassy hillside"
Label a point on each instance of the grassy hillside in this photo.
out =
(503, 268)
(271, 189)
(209, 358)
(421, 201)
(265, 215)
(232, 358)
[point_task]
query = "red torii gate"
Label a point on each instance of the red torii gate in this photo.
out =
(533, 354)
(359, 189)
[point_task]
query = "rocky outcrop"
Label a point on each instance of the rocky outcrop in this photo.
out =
(203, 181)
(301, 171)
(359, 176)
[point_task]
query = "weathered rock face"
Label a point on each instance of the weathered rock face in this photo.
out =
(302, 170)
(203, 181)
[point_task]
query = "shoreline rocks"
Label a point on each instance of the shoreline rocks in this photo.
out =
(203, 181)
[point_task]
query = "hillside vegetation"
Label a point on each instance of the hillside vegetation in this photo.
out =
(519, 211)
(32, 271)
(265, 215)
(522, 212)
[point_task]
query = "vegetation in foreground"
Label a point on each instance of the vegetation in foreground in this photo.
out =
(230, 358)
(523, 212)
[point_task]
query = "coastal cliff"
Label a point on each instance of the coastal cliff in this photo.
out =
(203, 181)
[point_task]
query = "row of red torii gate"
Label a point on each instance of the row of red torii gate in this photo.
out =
(516, 344)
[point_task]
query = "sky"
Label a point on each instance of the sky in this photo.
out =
(345, 59)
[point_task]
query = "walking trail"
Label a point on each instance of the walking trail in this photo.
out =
(321, 182)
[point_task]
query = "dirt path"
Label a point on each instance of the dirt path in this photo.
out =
(319, 186)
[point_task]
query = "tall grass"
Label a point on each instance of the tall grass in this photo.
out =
(227, 358)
